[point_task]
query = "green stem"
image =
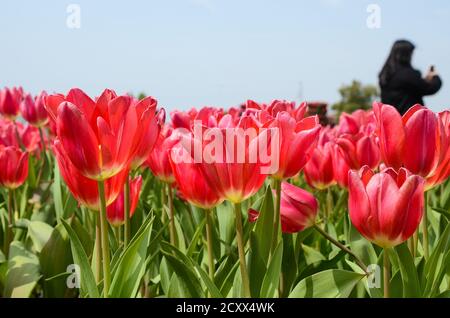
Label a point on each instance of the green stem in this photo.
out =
(9, 226)
(425, 228)
(98, 248)
(105, 241)
(44, 147)
(172, 230)
(44, 161)
(329, 205)
(209, 240)
(121, 230)
(342, 247)
(126, 212)
(241, 250)
(415, 242)
(386, 272)
(277, 236)
(163, 201)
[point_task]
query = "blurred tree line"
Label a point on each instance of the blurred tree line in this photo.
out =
(355, 96)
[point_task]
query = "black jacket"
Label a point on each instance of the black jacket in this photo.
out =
(407, 88)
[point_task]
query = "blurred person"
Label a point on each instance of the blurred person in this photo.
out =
(401, 85)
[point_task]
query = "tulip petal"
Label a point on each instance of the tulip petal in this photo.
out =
(78, 139)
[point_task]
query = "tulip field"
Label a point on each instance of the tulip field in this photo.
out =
(109, 196)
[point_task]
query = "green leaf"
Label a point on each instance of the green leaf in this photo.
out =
(22, 273)
(39, 233)
(411, 285)
(2, 257)
(196, 237)
(332, 283)
(178, 288)
(213, 290)
(87, 280)
(256, 266)
(289, 264)
(264, 228)
(443, 211)
(131, 264)
(57, 247)
(312, 255)
(183, 269)
(83, 235)
(435, 265)
(227, 230)
(272, 278)
(57, 194)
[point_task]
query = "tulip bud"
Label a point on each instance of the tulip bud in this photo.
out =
(33, 110)
(13, 167)
(298, 209)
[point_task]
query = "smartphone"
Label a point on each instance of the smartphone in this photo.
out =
(432, 68)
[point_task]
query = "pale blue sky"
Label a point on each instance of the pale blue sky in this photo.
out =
(216, 52)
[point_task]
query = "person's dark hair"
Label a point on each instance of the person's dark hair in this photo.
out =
(400, 56)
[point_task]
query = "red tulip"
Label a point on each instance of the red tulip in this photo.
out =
(319, 169)
(182, 119)
(442, 171)
(85, 190)
(13, 167)
(386, 208)
(418, 141)
(10, 99)
(208, 116)
(190, 181)
(340, 166)
(158, 160)
(238, 172)
(104, 137)
(298, 209)
(115, 211)
(356, 122)
(276, 107)
(28, 135)
(33, 110)
(151, 130)
(360, 150)
(297, 142)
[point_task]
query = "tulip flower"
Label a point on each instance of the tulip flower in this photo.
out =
(17, 134)
(297, 142)
(298, 209)
(228, 168)
(33, 110)
(340, 166)
(158, 160)
(360, 150)
(233, 175)
(417, 141)
(190, 180)
(386, 208)
(116, 210)
(10, 99)
(83, 189)
(360, 121)
(103, 137)
(194, 189)
(13, 173)
(13, 167)
(319, 169)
